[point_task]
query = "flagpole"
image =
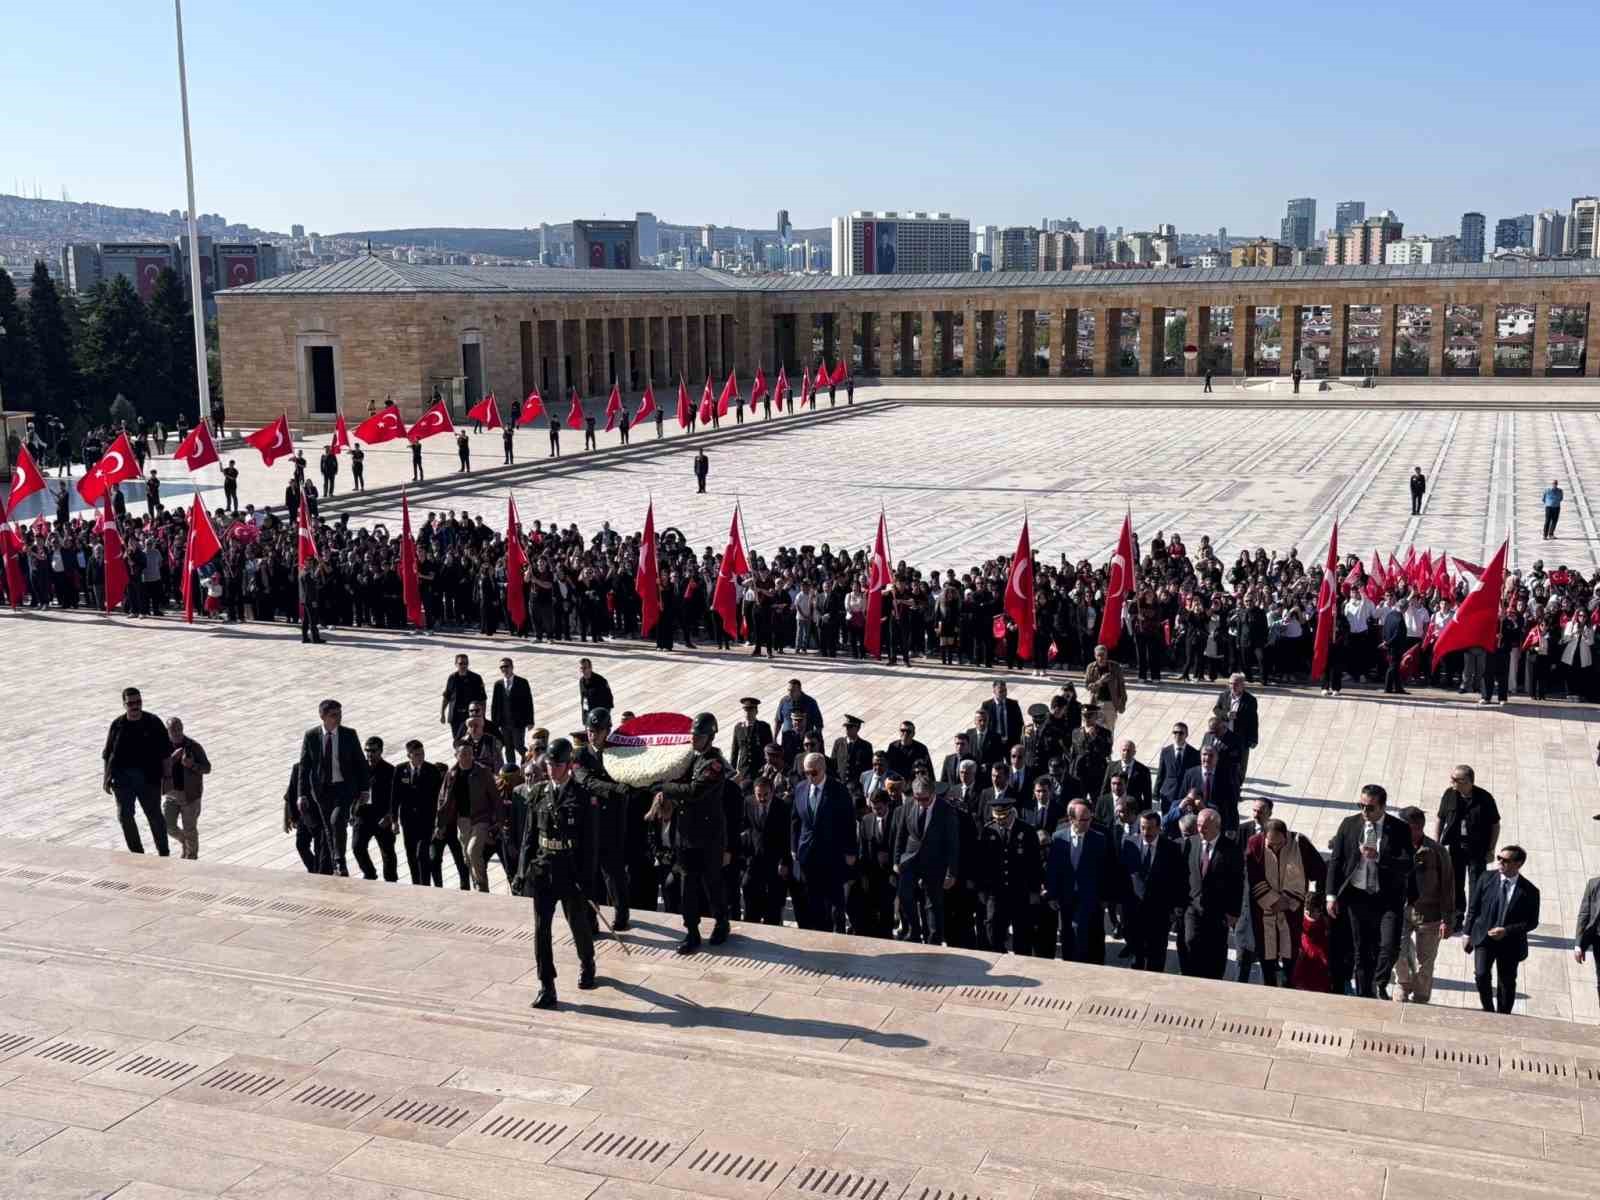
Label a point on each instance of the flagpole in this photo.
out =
(196, 286)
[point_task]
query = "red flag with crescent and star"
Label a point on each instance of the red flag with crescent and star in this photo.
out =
(516, 565)
(116, 566)
(1376, 579)
(647, 580)
(272, 440)
(199, 450)
(435, 420)
(575, 413)
(685, 409)
(1119, 581)
(382, 426)
(805, 389)
(487, 411)
(725, 592)
(410, 581)
(706, 401)
(839, 373)
(758, 388)
(613, 408)
(533, 410)
(1441, 572)
(10, 548)
(730, 390)
(202, 547)
(26, 478)
(647, 407)
(780, 389)
(822, 373)
(1019, 593)
(341, 435)
(305, 539)
(1476, 622)
(879, 577)
(1327, 607)
(116, 465)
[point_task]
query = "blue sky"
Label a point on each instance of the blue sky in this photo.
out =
(349, 114)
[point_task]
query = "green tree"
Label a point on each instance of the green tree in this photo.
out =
(213, 363)
(57, 388)
(16, 374)
(1177, 331)
(115, 348)
(172, 379)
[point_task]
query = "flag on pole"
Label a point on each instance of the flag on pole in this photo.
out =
(805, 389)
(382, 426)
(341, 435)
(1019, 593)
(780, 389)
(758, 388)
(1119, 581)
(198, 449)
(647, 407)
(272, 440)
(613, 408)
(10, 550)
(116, 465)
(516, 564)
(685, 410)
(533, 409)
(647, 582)
(305, 537)
(1441, 572)
(730, 391)
(879, 578)
(116, 566)
(725, 593)
(1476, 622)
(1327, 607)
(435, 420)
(840, 373)
(202, 548)
(575, 412)
(705, 403)
(26, 478)
(487, 411)
(822, 376)
(410, 580)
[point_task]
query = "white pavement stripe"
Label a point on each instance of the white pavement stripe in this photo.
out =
(1434, 474)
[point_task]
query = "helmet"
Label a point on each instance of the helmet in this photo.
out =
(598, 718)
(560, 751)
(705, 725)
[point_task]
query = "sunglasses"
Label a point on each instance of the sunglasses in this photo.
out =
(1502, 858)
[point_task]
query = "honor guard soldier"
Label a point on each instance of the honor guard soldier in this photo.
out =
(611, 844)
(1010, 873)
(693, 804)
(550, 868)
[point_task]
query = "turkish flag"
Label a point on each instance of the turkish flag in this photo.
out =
(805, 390)
(116, 566)
(1477, 622)
(705, 403)
(879, 577)
(839, 373)
(1408, 569)
(1353, 578)
(685, 412)
(724, 594)
(758, 388)
(272, 440)
(516, 565)
(1327, 608)
(10, 548)
(533, 410)
(341, 435)
(202, 548)
(488, 412)
(1423, 572)
(575, 413)
(435, 420)
(1396, 574)
(305, 539)
(822, 373)
(26, 478)
(1441, 573)
(1019, 593)
(613, 408)
(115, 465)
(780, 389)
(1468, 568)
(647, 581)
(410, 582)
(1119, 581)
(382, 426)
(197, 448)
(730, 390)
(647, 407)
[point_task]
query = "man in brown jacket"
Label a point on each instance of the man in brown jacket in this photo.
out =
(182, 783)
(1429, 917)
(470, 799)
(1103, 681)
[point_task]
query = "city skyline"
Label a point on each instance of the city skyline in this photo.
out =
(338, 136)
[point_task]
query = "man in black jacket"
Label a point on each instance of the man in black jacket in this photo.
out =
(904, 753)
(1394, 644)
(1503, 911)
(1005, 715)
(376, 818)
(1217, 787)
(593, 690)
(608, 856)
(692, 809)
(333, 778)
(1238, 710)
(511, 709)
(1010, 877)
(461, 688)
(852, 758)
(1468, 826)
(1370, 879)
(926, 858)
(1587, 936)
(1177, 760)
(416, 798)
(764, 847)
(870, 902)
(987, 748)
(1216, 890)
(136, 747)
(1155, 870)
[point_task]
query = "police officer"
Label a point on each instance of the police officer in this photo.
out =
(693, 805)
(550, 866)
(610, 847)
(1009, 876)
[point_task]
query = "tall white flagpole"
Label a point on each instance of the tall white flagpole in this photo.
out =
(196, 280)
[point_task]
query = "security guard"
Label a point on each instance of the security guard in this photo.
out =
(611, 842)
(549, 868)
(693, 804)
(1009, 878)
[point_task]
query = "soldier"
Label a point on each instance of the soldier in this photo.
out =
(550, 866)
(693, 807)
(1009, 875)
(610, 847)
(1090, 752)
(750, 738)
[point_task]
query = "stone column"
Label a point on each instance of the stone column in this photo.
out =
(1152, 335)
(846, 339)
(580, 368)
(1541, 338)
(887, 323)
(625, 370)
(947, 340)
(1069, 341)
(1013, 341)
(1488, 334)
(1438, 336)
(925, 349)
(1197, 333)
(1591, 341)
(1244, 338)
(830, 338)
(1108, 332)
(803, 334)
(1289, 328)
(1388, 325)
(1338, 328)
(718, 350)
(767, 342)
(969, 340)
(986, 336)
(538, 363)
(560, 373)
(1057, 334)
(605, 371)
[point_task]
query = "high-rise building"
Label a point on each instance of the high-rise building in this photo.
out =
(85, 264)
(1348, 213)
(1420, 249)
(649, 236)
(1472, 228)
(896, 243)
(1090, 246)
(297, 232)
(605, 245)
(1057, 251)
(1019, 249)
(1222, 239)
(1263, 252)
(1583, 228)
(783, 225)
(1549, 232)
(1299, 224)
(1364, 242)
(1512, 233)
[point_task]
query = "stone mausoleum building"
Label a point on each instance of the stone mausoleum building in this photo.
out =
(342, 337)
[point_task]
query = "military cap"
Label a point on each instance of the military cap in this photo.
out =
(1091, 708)
(598, 718)
(1002, 801)
(749, 702)
(1037, 711)
(560, 751)
(705, 725)
(852, 720)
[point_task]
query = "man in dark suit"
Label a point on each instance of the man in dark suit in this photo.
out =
(1394, 643)
(1134, 773)
(750, 737)
(950, 771)
(310, 594)
(768, 858)
(511, 708)
(927, 856)
(1154, 869)
(1216, 889)
(1217, 787)
(987, 748)
(1504, 909)
(1177, 760)
(593, 690)
(1019, 775)
(1000, 786)
(905, 752)
(871, 896)
(822, 843)
(852, 757)
(1588, 932)
(1081, 878)
(1237, 708)
(333, 778)
(1005, 716)
(461, 687)
(1370, 875)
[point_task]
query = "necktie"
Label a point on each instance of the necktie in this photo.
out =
(327, 757)
(1205, 859)
(1505, 899)
(1000, 718)
(1208, 789)
(1147, 858)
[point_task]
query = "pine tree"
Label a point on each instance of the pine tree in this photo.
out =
(16, 378)
(57, 389)
(172, 379)
(115, 351)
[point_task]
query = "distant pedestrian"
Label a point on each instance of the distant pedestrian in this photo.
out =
(702, 468)
(661, 418)
(464, 452)
(182, 784)
(358, 467)
(136, 749)
(1419, 486)
(1296, 375)
(555, 438)
(416, 462)
(507, 440)
(849, 390)
(588, 434)
(1207, 388)
(1552, 508)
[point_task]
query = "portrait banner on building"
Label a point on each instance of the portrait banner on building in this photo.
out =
(238, 270)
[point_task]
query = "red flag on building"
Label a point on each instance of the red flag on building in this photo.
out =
(879, 578)
(1119, 581)
(730, 390)
(839, 373)
(725, 593)
(647, 582)
(685, 410)
(1019, 593)
(516, 565)
(382, 426)
(272, 440)
(26, 478)
(758, 388)
(487, 411)
(116, 465)
(575, 413)
(341, 435)
(822, 375)
(780, 389)
(533, 409)
(116, 565)
(202, 548)
(647, 407)
(198, 449)
(1327, 607)
(705, 403)
(1476, 622)
(410, 580)
(613, 408)
(435, 420)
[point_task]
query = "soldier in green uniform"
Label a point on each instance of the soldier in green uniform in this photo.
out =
(611, 844)
(550, 868)
(693, 808)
